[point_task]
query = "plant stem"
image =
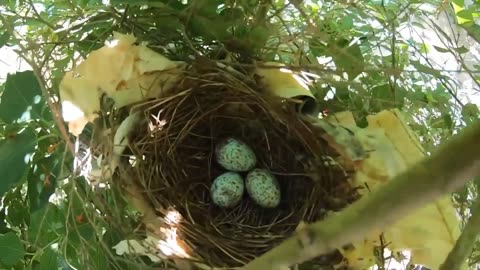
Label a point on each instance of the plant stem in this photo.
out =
(465, 242)
(455, 163)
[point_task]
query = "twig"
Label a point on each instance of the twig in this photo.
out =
(465, 242)
(53, 107)
(441, 173)
(39, 18)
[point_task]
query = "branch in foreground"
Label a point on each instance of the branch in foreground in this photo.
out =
(465, 242)
(455, 163)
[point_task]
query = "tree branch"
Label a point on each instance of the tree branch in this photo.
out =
(465, 242)
(455, 163)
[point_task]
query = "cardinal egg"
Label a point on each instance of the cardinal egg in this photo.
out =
(263, 188)
(227, 189)
(235, 155)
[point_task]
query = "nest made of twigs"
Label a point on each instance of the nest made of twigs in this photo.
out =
(175, 165)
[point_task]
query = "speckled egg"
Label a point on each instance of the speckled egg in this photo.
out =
(235, 155)
(263, 188)
(227, 189)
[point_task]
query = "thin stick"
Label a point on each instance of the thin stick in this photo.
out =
(456, 162)
(465, 242)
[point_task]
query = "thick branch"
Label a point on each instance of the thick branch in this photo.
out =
(456, 162)
(465, 242)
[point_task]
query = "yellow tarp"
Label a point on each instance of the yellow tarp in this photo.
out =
(430, 232)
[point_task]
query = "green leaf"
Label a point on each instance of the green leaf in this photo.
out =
(4, 37)
(98, 259)
(463, 15)
(93, 254)
(424, 48)
(234, 15)
(3, 225)
(447, 118)
(461, 50)
(17, 212)
(258, 36)
(470, 112)
(347, 58)
(341, 91)
(382, 98)
(346, 23)
(400, 96)
(170, 25)
(14, 151)
(11, 249)
(42, 179)
(318, 49)
(426, 69)
(22, 98)
(46, 225)
(440, 49)
(49, 260)
(473, 31)
(208, 28)
(12, 4)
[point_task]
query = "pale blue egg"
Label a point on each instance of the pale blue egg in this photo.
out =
(235, 155)
(227, 189)
(263, 188)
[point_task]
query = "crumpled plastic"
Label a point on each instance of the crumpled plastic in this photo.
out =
(429, 233)
(121, 70)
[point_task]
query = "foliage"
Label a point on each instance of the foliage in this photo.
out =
(367, 54)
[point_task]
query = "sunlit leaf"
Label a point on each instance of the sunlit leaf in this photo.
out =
(4, 37)
(463, 15)
(22, 98)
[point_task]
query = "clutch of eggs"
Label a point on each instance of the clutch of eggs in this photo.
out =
(227, 189)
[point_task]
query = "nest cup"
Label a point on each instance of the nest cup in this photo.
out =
(174, 150)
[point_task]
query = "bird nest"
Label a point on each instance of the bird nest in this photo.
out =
(174, 165)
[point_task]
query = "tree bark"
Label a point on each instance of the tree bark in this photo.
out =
(450, 167)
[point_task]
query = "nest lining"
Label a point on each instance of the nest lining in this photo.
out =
(175, 166)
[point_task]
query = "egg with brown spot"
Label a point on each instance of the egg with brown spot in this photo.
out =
(263, 188)
(227, 189)
(235, 155)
